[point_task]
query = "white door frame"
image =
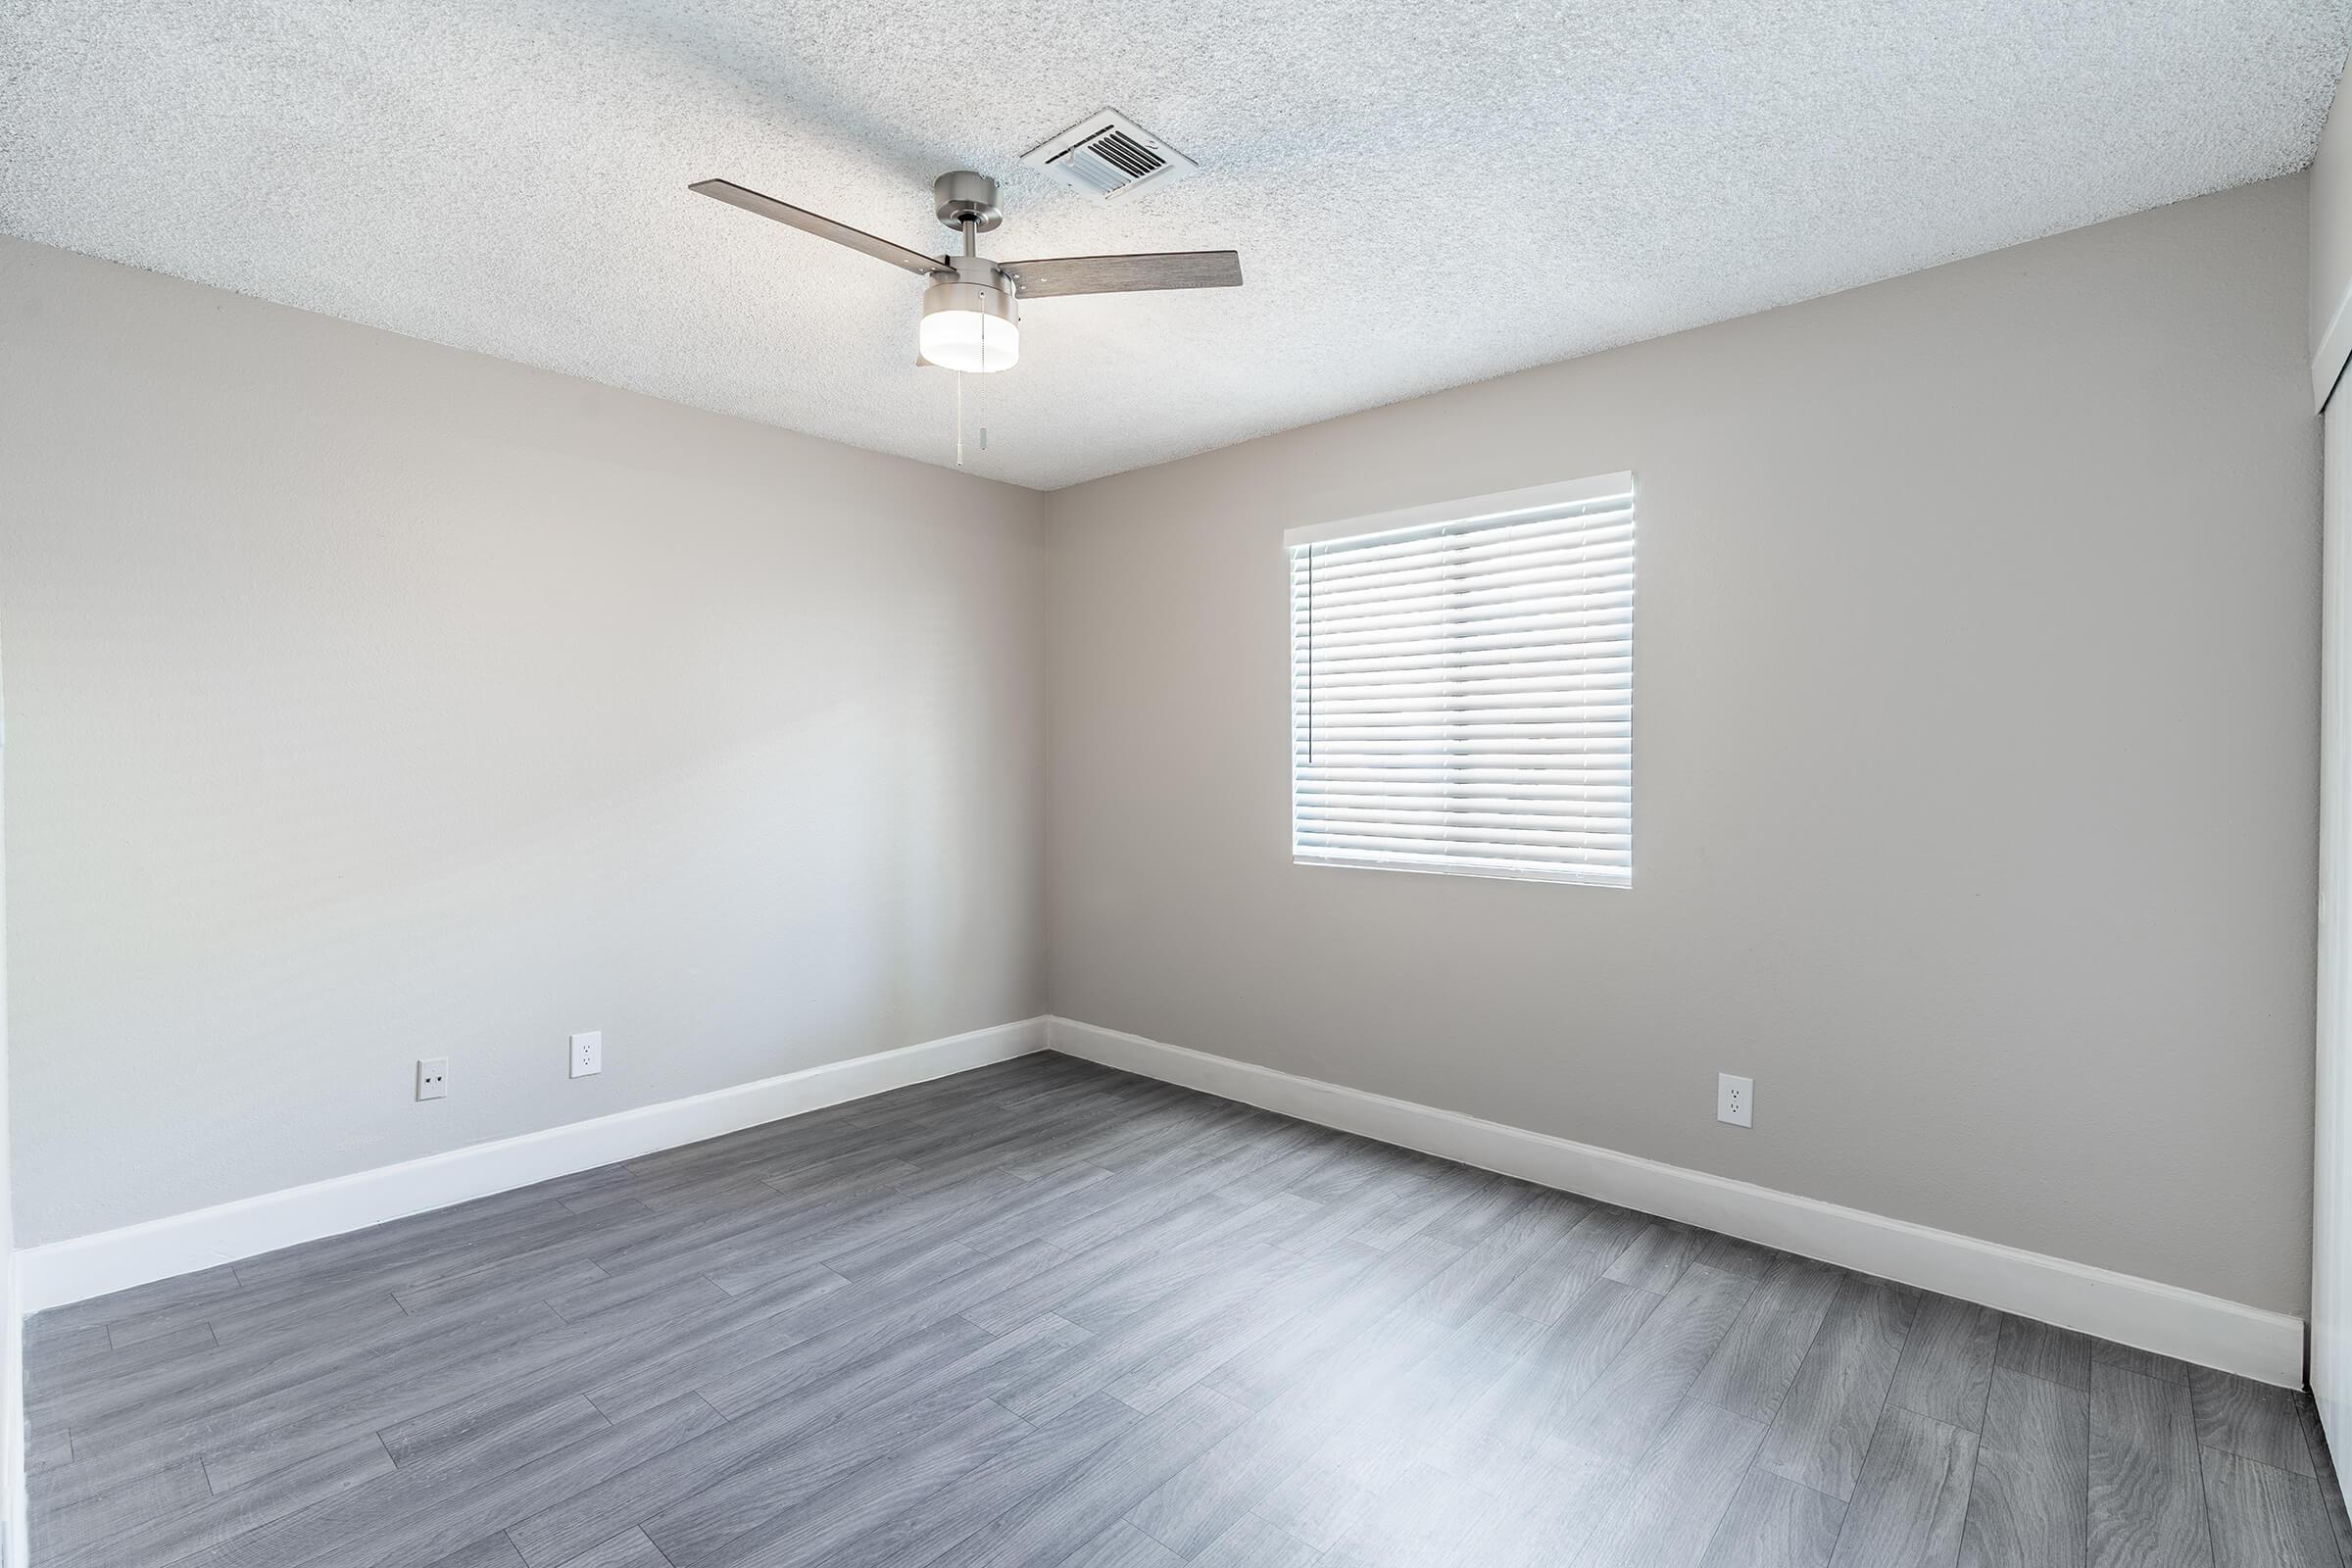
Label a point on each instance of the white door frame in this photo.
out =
(2331, 1151)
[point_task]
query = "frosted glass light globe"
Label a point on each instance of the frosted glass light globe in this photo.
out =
(972, 341)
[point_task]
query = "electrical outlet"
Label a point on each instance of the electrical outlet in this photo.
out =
(432, 1078)
(588, 1053)
(1735, 1100)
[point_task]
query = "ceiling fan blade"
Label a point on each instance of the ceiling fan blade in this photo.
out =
(857, 239)
(1123, 275)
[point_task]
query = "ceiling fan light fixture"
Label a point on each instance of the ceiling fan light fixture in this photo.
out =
(969, 327)
(971, 311)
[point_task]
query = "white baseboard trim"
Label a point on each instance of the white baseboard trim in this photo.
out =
(2204, 1329)
(76, 1270)
(19, 1522)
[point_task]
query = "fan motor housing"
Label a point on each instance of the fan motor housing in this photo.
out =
(979, 284)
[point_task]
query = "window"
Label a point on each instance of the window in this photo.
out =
(1462, 685)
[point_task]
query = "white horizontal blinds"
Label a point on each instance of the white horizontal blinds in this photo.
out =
(1461, 691)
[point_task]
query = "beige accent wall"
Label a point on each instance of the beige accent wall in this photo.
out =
(370, 700)
(1976, 756)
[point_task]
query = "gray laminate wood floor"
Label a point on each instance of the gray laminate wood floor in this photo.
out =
(1047, 1314)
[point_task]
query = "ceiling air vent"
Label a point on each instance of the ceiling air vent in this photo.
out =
(1109, 157)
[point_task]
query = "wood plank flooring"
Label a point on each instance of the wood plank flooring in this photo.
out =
(1047, 1315)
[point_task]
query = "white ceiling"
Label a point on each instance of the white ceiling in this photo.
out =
(1423, 193)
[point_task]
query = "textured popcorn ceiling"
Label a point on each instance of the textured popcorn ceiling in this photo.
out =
(1423, 193)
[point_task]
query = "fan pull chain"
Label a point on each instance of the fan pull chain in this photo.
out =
(960, 422)
(971, 247)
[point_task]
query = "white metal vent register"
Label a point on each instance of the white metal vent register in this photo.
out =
(1111, 157)
(1461, 686)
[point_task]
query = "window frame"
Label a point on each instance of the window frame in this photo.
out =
(1470, 512)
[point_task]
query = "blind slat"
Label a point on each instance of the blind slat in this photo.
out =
(1487, 826)
(1461, 665)
(1468, 539)
(1617, 850)
(1569, 801)
(1450, 611)
(1515, 710)
(1599, 876)
(1462, 695)
(1612, 624)
(1471, 680)
(1469, 556)
(1565, 736)
(1542, 556)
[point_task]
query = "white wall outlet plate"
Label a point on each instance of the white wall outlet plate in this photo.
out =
(1735, 1100)
(588, 1053)
(432, 1078)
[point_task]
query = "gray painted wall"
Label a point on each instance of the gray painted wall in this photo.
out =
(368, 699)
(2331, 235)
(1975, 772)
(14, 1526)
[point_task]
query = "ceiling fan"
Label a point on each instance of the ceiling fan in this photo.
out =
(971, 311)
